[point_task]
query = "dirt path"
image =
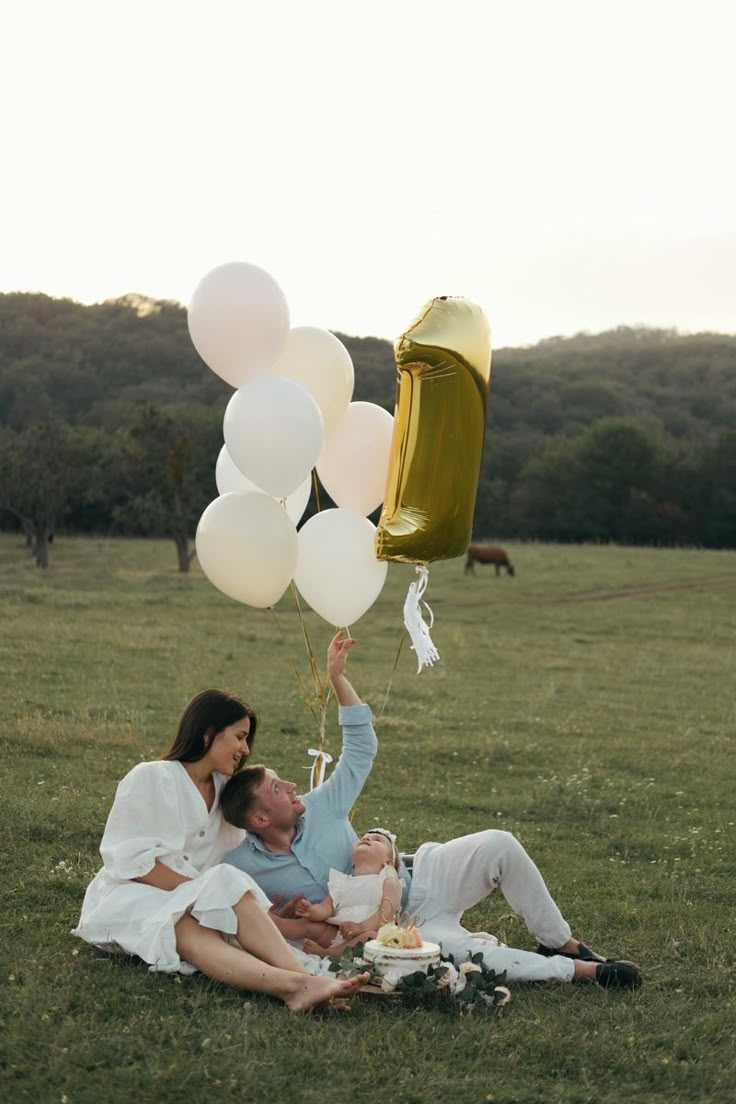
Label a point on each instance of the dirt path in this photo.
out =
(645, 591)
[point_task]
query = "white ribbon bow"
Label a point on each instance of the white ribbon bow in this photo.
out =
(317, 773)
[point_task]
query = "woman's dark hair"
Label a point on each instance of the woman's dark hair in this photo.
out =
(206, 715)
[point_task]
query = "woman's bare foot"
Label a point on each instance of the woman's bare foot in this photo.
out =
(321, 990)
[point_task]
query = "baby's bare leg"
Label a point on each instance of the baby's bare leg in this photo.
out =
(291, 927)
(320, 933)
(313, 930)
(338, 948)
(310, 947)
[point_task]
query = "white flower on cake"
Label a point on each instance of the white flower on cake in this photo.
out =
(394, 935)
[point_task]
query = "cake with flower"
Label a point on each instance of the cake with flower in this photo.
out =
(399, 949)
(408, 967)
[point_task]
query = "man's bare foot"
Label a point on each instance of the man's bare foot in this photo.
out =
(322, 990)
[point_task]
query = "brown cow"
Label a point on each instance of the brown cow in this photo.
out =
(488, 554)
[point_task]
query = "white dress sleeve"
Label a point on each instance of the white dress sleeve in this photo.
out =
(336, 886)
(144, 822)
(357, 898)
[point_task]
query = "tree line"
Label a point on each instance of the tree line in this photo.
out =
(110, 422)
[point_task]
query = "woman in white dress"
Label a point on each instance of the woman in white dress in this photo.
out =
(163, 893)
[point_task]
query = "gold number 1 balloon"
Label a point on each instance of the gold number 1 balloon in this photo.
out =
(444, 365)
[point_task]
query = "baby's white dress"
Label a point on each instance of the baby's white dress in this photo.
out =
(158, 813)
(355, 898)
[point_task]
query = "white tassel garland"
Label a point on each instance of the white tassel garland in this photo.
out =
(415, 624)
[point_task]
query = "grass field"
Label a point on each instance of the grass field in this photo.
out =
(587, 705)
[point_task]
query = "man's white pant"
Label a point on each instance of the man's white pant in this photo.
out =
(448, 878)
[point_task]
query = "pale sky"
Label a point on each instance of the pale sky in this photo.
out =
(568, 165)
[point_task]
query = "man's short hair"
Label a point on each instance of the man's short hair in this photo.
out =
(238, 798)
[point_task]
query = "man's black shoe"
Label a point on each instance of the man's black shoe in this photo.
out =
(618, 975)
(583, 953)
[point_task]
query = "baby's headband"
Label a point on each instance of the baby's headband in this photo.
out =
(390, 836)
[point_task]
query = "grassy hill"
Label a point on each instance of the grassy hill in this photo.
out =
(93, 362)
(586, 705)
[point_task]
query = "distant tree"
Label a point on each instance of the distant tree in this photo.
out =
(101, 365)
(504, 457)
(549, 500)
(616, 465)
(716, 504)
(588, 400)
(44, 470)
(597, 486)
(170, 477)
(24, 399)
(491, 517)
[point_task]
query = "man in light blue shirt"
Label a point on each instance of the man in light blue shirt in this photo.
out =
(292, 842)
(304, 835)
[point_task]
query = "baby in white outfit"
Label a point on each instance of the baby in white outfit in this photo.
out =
(358, 903)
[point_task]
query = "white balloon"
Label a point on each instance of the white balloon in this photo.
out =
(238, 320)
(353, 464)
(247, 547)
(319, 360)
(296, 503)
(273, 432)
(337, 572)
(229, 478)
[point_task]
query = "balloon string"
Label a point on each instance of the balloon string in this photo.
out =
(299, 679)
(324, 694)
(315, 484)
(318, 684)
(402, 638)
(317, 773)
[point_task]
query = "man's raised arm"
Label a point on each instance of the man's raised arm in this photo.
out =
(359, 744)
(337, 657)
